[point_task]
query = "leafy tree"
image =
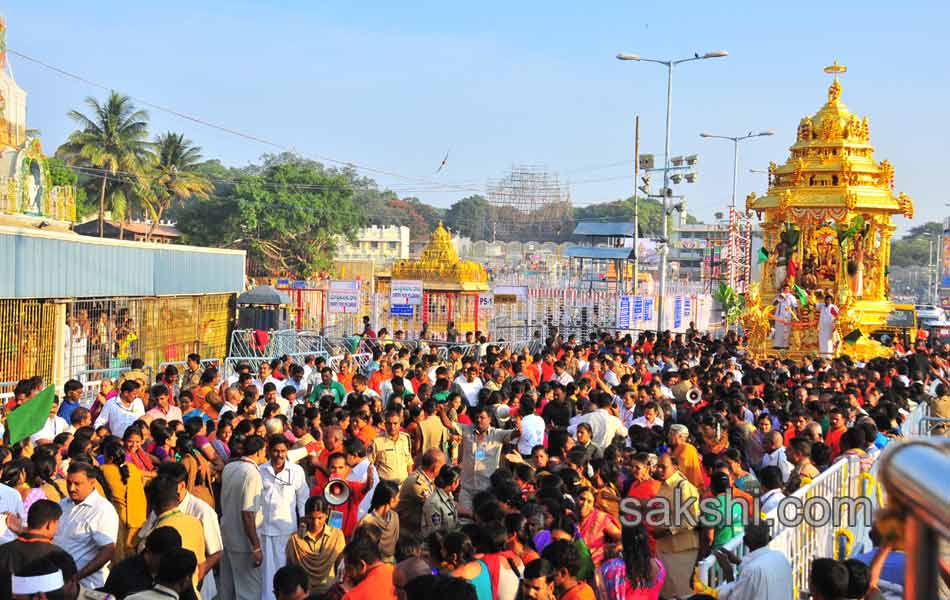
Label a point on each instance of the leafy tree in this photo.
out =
(174, 175)
(470, 216)
(289, 218)
(913, 250)
(115, 139)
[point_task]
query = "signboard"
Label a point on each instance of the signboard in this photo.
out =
(687, 307)
(624, 311)
(300, 285)
(648, 309)
(405, 291)
(637, 308)
(486, 301)
(342, 301)
(902, 318)
(400, 310)
(677, 312)
(345, 286)
(282, 283)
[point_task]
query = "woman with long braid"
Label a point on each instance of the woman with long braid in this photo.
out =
(127, 488)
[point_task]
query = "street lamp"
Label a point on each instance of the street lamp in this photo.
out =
(666, 193)
(735, 158)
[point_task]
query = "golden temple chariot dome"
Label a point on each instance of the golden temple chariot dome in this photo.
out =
(440, 267)
(826, 229)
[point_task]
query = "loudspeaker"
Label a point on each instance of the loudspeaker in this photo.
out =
(336, 492)
(694, 396)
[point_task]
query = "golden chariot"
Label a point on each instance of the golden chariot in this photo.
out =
(826, 227)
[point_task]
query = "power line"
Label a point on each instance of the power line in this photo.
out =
(222, 128)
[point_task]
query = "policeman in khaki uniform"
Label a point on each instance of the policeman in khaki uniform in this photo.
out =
(417, 489)
(440, 511)
(392, 453)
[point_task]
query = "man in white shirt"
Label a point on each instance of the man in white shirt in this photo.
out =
(284, 496)
(604, 425)
(123, 410)
(470, 385)
(774, 454)
(561, 375)
(532, 428)
(772, 495)
(650, 417)
(11, 503)
(627, 406)
(89, 526)
(54, 426)
(386, 387)
(241, 515)
(765, 575)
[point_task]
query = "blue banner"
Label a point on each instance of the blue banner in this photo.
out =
(648, 309)
(637, 308)
(400, 310)
(623, 313)
(677, 312)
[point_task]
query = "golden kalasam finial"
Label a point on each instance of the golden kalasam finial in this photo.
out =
(834, 90)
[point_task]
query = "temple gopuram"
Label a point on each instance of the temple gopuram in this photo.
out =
(451, 286)
(28, 191)
(826, 226)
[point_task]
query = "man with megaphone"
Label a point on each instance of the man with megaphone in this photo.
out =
(344, 496)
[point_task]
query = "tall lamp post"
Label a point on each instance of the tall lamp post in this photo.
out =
(735, 157)
(666, 192)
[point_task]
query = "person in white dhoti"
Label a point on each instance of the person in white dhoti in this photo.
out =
(283, 501)
(827, 319)
(785, 304)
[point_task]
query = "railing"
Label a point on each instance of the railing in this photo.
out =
(911, 472)
(911, 425)
(804, 542)
(360, 358)
(181, 365)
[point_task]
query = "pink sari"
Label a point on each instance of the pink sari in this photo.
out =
(592, 529)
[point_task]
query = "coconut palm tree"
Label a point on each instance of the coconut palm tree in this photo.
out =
(174, 176)
(113, 139)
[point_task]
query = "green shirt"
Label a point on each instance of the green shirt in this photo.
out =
(335, 389)
(724, 529)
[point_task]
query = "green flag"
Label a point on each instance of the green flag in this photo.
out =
(802, 296)
(853, 337)
(28, 418)
(763, 255)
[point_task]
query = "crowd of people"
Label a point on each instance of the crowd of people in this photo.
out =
(473, 475)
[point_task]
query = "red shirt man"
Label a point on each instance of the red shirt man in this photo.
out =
(344, 516)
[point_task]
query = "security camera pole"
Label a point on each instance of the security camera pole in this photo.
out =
(666, 192)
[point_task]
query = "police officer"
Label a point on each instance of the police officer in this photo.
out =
(440, 510)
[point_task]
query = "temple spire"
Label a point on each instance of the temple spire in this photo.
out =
(834, 90)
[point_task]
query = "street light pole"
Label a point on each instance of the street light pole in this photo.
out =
(735, 156)
(666, 193)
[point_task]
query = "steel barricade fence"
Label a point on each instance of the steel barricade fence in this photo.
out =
(231, 363)
(100, 374)
(801, 543)
(933, 426)
(361, 359)
(911, 425)
(90, 391)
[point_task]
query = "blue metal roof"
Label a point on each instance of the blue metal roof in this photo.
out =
(44, 264)
(612, 229)
(598, 253)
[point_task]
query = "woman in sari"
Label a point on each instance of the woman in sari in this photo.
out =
(644, 486)
(135, 454)
(637, 574)
(595, 526)
(199, 469)
(127, 491)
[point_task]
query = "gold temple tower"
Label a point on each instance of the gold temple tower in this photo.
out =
(451, 286)
(826, 225)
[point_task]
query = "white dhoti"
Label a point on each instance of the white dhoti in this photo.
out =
(240, 579)
(781, 335)
(274, 548)
(826, 329)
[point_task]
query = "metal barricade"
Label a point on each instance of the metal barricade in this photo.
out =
(90, 391)
(839, 485)
(100, 374)
(933, 426)
(911, 425)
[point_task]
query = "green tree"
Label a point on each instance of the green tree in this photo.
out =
(471, 216)
(174, 175)
(289, 219)
(114, 139)
(913, 250)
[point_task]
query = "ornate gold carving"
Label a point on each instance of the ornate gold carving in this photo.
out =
(906, 205)
(749, 201)
(851, 199)
(829, 129)
(804, 129)
(756, 322)
(834, 92)
(866, 130)
(440, 262)
(885, 176)
(799, 173)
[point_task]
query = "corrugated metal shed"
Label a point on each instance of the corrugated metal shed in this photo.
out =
(598, 253)
(41, 264)
(595, 228)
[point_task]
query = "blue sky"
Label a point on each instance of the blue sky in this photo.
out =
(393, 85)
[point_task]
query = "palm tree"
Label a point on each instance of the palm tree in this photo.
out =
(115, 140)
(174, 175)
